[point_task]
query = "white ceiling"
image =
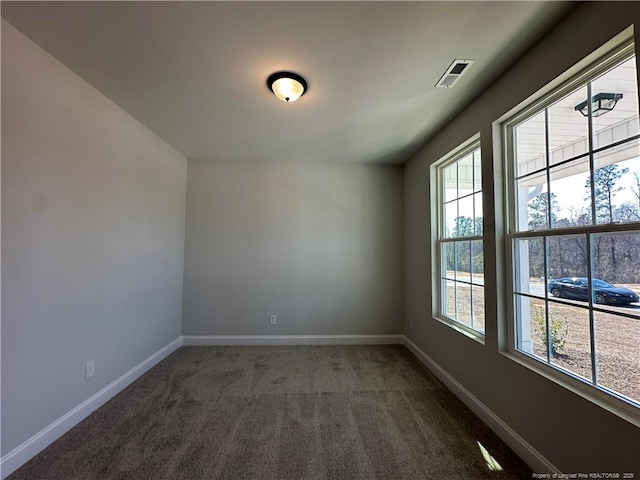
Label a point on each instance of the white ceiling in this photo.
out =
(195, 72)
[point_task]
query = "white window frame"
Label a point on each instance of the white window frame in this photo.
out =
(617, 404)
(438, 237)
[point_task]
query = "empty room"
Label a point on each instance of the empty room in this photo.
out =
(320, 240)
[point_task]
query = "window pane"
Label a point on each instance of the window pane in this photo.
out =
(450, 215)
(477, 262)
(568, 129)
(449, 298)
(464, 222)
(570, 338)
(616, 271)
(465, 175)
(570, 194)
(448, 260)
(617, 184)
(567, 263)
(478, 307)
(610, 126)
(463, 293)
(530, 145)
(531, 330)
(477, 220)
(477, 171)
(617, 341)
(532, 203)
(529, 262)
(450, 182)
(463, 261)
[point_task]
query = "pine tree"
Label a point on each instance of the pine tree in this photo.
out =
(604, 190)
(538, 211)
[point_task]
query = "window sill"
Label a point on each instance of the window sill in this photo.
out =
(622, 408)
(463, 329)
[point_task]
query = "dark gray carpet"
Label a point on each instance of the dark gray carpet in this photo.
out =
(330, 412)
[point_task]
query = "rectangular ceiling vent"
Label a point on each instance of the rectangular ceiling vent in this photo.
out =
(453, 73)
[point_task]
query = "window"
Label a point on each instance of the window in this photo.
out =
(573, 163)
(460, 252)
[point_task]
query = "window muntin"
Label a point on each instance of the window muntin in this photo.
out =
(575, 221)
(460, 245)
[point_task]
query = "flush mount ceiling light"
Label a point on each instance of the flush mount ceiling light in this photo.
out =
(601, 103)
(287, 86)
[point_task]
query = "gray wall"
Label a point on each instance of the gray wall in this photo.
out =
(93, 208)
(318, 244)
(573, 433)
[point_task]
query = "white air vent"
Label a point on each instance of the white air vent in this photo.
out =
(453, 73)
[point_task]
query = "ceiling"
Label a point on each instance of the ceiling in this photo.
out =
(195, 72)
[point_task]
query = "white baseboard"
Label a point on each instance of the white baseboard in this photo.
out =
(34, 445)
(210, 340)
(519, 445)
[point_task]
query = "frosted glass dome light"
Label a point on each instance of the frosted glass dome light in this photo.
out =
(287, 86)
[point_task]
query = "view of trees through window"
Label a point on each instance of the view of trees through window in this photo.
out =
(461, 246)
(617, 257)
(575, 231)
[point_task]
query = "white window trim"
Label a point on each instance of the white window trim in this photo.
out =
(610, 54)
(437, 213)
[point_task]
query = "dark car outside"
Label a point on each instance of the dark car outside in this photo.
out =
(604, 293)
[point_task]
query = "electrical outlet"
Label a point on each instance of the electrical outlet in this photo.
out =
(89, 369)
(273, 320)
